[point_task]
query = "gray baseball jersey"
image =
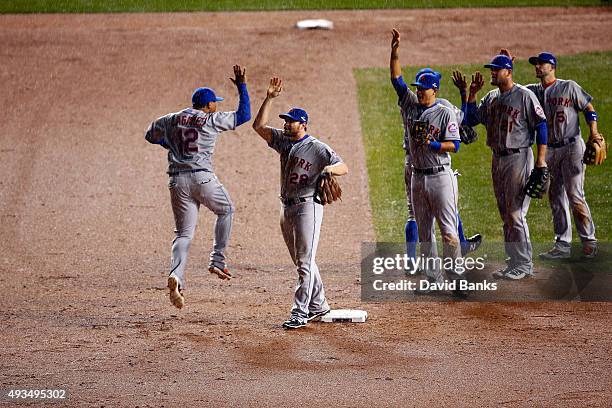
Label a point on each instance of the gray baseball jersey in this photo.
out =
(301, 163)
(432, 197)
(442, 127)
(562, 102)
(510, 117)
(190, 136)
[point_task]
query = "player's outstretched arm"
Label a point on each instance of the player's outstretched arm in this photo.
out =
(260, 124)
(395, 67)
(394, 62)
(470, 117)
(475, 86)
(461, 83)
(243, 112)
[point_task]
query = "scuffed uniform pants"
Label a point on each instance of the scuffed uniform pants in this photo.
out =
(301, 226)
(510, 175)
(187, 192)
(567, 192)
(435, 197)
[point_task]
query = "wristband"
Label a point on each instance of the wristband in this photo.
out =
(590, 116)
(435, 146)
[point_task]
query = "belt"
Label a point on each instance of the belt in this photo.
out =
(287, 202)
(428, 171)
(563, 142)
(505, 152)
(174, 173)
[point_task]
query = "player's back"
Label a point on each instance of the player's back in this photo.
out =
(191, 135)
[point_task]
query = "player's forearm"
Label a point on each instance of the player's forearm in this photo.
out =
(541, 155)
(243, 113)
(470, 115)
(444, 147)
(394, 64)
(262, 118)
(591, 118)
(338, 169)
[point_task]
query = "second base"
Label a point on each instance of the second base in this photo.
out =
(345, 316)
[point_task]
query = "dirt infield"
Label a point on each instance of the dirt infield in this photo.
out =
(86, 222)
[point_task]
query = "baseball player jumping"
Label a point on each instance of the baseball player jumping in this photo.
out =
(562, 100)
(190, 136)
(408, 110)
(511, 114)
(303, 160)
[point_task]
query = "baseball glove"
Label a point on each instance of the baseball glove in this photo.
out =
(596, 150)
(538, 182)
(467, 134)
(418, 132)
(328, 189)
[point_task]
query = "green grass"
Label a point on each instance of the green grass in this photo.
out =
(75, 6)
(382, 132)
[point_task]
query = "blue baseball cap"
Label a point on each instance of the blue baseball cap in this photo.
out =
(295, 115)
(202, 96)
(427, 71)
(427, 80)
(500, 62)
(543, 57)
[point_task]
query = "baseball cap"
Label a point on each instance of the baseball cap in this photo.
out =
(296, 115)
(202, 96)
(427, 71)
(500, 62)
(543, 57)
(427, 80)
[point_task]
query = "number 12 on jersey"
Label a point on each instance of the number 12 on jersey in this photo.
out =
(186, 139)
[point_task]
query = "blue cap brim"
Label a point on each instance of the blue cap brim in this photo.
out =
(289, 117)
(495, 66)
(424, 86)
(219, 99)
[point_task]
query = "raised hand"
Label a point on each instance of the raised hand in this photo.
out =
(477, 83)
(459, 80)
(239, 75)
(395, 39)
(506, 52)
(275, 87)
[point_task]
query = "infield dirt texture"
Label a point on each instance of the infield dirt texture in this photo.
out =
(86, 222)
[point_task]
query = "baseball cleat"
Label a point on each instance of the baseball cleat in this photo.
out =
(555, 253)
(511, 273)
(471, 245)
(589, 251)
(221, 273)
(294, 323)
(176, 296)
(317, 315)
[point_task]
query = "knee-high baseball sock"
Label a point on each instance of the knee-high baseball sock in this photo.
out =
(412, 238)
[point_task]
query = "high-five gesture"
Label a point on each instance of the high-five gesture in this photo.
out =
(395, 39)
(239, 75)
(275, 87)
(394, 63)
(459, 81)
(475, 86)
